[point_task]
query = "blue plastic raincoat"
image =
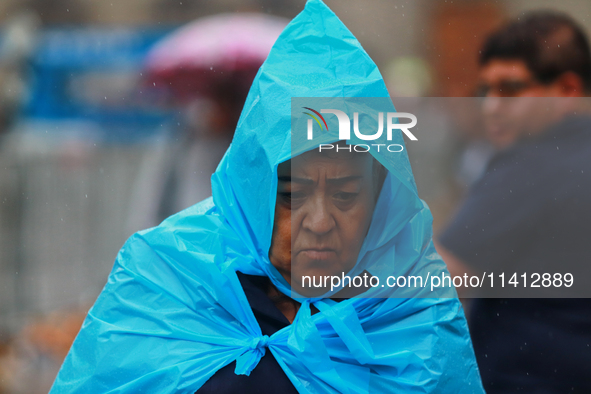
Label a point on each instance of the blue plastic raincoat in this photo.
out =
(173, 311)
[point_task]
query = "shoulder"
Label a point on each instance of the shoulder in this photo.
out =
(197, 236)
(169, 303)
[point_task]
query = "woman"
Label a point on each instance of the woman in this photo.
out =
(215, 298)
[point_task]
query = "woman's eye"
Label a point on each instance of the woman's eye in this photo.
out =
(291, 196)
(345, 196)
(285, 196)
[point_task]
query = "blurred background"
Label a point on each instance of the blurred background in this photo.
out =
(113, 115)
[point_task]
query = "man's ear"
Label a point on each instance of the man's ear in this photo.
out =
(569, 84)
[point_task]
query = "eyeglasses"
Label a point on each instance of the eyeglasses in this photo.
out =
(509, 88)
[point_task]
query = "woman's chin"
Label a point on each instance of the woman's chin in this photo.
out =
(314, 282)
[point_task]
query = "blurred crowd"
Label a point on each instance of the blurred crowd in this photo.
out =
(109, 125)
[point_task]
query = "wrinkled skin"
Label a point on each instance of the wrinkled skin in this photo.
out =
(324, 207)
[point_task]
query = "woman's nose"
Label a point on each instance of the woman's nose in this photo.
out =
(318, 218)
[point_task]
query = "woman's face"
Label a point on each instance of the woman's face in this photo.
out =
(324, 207)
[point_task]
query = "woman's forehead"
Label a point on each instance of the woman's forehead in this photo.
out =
(341, 163)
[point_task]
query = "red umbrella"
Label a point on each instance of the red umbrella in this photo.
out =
(216, 52)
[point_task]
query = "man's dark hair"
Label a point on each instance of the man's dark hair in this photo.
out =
(548, 42)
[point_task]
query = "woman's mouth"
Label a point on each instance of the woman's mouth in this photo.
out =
(319, 254)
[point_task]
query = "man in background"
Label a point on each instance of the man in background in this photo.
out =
(532, 207)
